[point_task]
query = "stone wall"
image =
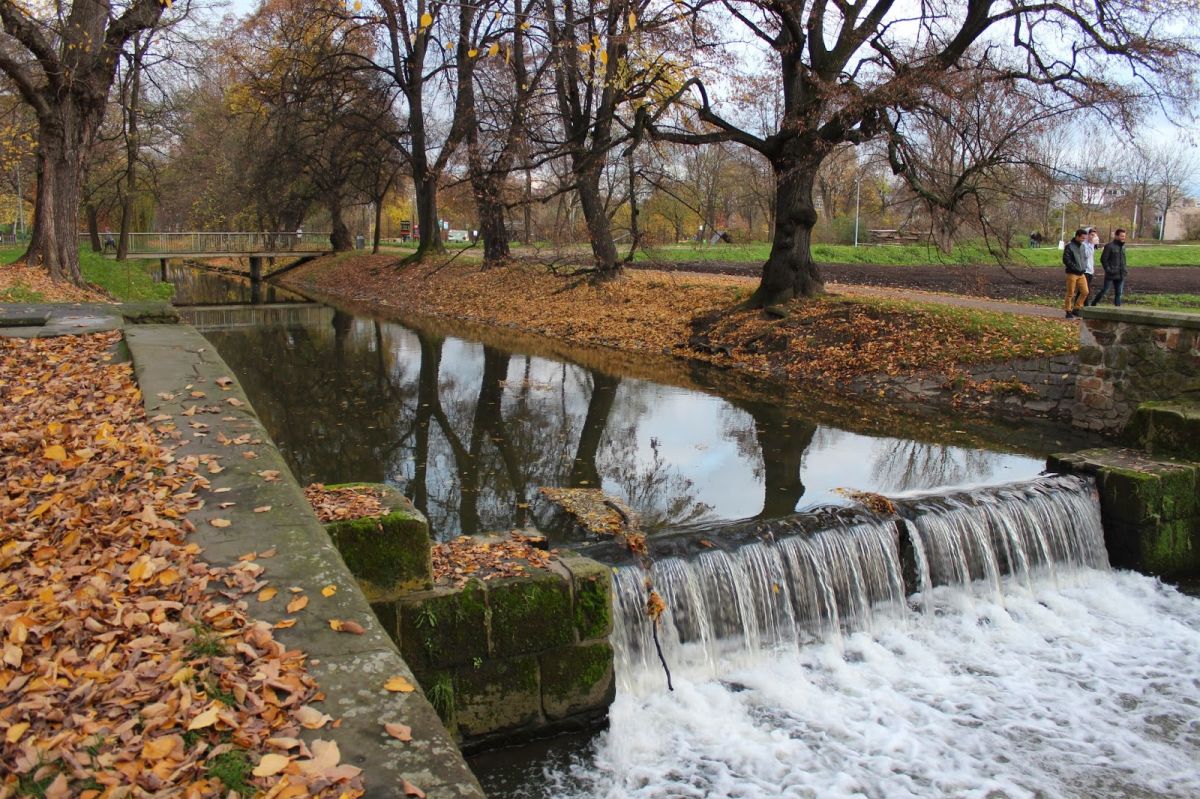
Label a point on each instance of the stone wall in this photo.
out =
(1030, 387)
(500, 660)
(1129, 356)
(513, 658)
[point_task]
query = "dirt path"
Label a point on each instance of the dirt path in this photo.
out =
(993, 282)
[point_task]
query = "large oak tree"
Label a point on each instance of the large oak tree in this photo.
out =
(843, 65)
(63, 59)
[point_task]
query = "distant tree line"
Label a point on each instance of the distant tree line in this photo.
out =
(623, 123)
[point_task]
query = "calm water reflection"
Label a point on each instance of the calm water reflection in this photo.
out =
(200, 287)
(469, 432)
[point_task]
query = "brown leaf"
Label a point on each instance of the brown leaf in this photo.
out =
(400, 732)
(412, 790)
(219, 522)
(298, 604)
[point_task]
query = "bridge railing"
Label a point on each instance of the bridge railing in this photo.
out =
(230, 242)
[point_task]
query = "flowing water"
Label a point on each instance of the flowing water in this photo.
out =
(1018, 665)
(980, 647)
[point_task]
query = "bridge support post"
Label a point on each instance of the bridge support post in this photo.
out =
(162, 269)
(255, 268)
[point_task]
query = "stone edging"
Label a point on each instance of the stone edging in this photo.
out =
(350, 669)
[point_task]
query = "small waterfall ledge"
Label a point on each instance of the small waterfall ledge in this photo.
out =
(855, 574)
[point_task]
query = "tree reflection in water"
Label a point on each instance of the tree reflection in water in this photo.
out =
(469, 431)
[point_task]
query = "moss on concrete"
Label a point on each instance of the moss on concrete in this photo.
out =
(577, 679)
(1172, 548)
(389, 554)
(592, 586)
(1167, 429)
(496, 695)
(443, 627)
(530, 614)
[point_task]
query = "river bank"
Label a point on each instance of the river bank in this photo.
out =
(913, 353)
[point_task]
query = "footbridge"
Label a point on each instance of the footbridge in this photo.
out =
(200, 245)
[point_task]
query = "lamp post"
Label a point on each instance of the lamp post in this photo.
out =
(857, 187)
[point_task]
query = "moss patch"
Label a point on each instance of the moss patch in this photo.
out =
(576, 679)
(592, 584)
(443, 628)
(530, 614)
(496, 695)
(1170, 429)
(388, 554)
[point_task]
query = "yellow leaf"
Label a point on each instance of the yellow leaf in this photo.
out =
(16, 731)
(283, 624)
(55, 453)
(329, 590)
(54, 428)
(632, 20)
(399, 684)
(472, 53)
(426, 20)
(299, 603)
(205, 719)
(219, 522)
(336, 624)
(168, 577)
(183, 675)
(270, 765)
(158, 748)
(526, 25)
(495, 48)
(603, 60)
(138, 572)
(267, 594)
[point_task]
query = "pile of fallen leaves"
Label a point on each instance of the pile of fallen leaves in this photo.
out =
(122, 672)
(876, 503)
(19, 279)
(828, 339)
(466, 558)
(599, 514)
(347, 502)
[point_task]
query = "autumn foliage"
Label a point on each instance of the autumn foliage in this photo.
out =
(124, 672)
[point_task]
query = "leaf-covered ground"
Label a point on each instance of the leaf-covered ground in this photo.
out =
(344, 502)
(123, 672)
(467, 558)
(831, 339)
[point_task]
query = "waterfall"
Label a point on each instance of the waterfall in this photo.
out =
(786, 592)
(1026, 530)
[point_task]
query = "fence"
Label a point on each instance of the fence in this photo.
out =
(205, 242)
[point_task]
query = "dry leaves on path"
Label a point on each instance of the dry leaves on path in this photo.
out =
(122, 671)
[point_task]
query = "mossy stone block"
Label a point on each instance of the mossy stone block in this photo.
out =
(1129, 495)
(530, 614)
(577, 679)
(1172, 548)
(496, 695)
(388, 554)
(443, 627)
(591, 583)
(1170, 428)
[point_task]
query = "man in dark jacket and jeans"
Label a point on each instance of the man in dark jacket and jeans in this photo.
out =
(1113, 261)
(1076, 260)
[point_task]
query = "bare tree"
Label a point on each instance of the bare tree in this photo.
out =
(843, 66)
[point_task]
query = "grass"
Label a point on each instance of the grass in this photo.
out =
(1186, 303)
(128, 281)
(914, 254)
(232, 768)
(987, 335)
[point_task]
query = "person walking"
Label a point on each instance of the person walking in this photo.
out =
(1112, 260)
(1075, 260)
(1091, 248)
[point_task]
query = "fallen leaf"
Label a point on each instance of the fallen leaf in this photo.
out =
(270, 765)
(400, 684)
(55, 453)
(205, 719)
(219, 522)
(400, 732)
(310, 718)
(412, 790)
(297, 604)
(267, 594)
(262, 509)
(329, 590)
(15, 732)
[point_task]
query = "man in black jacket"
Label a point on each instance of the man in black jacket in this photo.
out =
(1075, 260)
(1115, 270)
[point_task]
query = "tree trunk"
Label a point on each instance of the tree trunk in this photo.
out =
(60, 163)
(132, 145)
(943, 228)
(604, 250)
(528, 233)
(93, 223)
(491, 225)
(584, 472)
(339, 233)
(429, 242)
(789, 271)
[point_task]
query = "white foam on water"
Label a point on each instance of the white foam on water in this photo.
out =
(1084, 686)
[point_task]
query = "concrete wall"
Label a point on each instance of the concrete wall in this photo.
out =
(1130, 356)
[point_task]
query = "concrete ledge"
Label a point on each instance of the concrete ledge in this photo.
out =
(171, 362)
(1142, 316)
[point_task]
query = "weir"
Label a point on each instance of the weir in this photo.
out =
(783, 593)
